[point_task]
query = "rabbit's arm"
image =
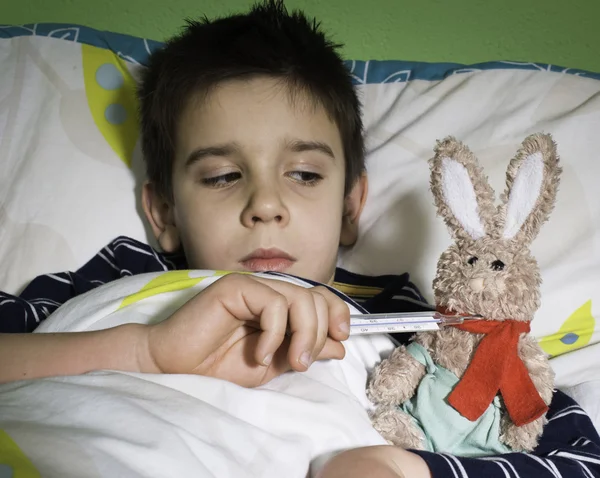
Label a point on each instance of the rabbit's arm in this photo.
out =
(538, 367)
(395, 380)
(525, 438)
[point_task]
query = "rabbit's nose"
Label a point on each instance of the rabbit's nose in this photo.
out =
(477, 284)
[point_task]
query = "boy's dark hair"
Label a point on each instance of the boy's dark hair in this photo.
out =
(266, 41)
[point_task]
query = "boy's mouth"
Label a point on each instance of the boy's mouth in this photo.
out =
(262, 260)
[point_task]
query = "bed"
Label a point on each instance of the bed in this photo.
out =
(71, 170)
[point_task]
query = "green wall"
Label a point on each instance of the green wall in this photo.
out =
(562, 32)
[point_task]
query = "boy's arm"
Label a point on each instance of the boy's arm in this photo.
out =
(216, 333)
(28, 356)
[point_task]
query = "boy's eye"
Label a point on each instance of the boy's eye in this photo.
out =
(222, 180)
(473, 260)
(306, 177)
(498, 265)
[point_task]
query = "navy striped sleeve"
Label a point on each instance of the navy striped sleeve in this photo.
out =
(568, 448)
(122, 257)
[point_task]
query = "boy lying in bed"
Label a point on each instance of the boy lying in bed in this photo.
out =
(253, 139)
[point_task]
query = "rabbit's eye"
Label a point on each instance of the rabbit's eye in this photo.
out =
(472, 260)
(497, 265)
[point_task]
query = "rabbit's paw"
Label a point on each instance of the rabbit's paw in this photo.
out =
(397, 428)
(523, 438)
(395, 380)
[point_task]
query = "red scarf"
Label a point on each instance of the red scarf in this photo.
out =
(496, 365)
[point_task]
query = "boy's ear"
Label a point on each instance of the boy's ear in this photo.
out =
(353, 206)
(159, 213)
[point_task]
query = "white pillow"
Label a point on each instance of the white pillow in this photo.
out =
(69, 178)
(66, 188)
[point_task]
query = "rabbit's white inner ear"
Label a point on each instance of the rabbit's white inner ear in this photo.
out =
(460, 197)
(524, 193)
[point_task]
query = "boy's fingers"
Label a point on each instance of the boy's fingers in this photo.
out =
(303, 321)
(304, 325)
(312, 314)
(281, 364)
(248, 300)
(322, 310)
(332, 350)
(273, 323)
(339, 314)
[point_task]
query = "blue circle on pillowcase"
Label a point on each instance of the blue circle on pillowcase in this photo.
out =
(6, 471)
(115, 114)
(109, 77)
(569, 338)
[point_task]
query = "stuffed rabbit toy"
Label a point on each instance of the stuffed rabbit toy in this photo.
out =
(482, 387)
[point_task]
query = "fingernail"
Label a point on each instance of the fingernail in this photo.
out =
(305, 359)
(345, 328)
(268, 359)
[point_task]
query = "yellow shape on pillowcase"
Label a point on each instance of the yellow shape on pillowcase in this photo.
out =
(574, 333)
(13, 461)
(110, 92)
(167, 282)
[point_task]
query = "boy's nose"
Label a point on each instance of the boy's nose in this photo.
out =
(265, 207)
(266, 219)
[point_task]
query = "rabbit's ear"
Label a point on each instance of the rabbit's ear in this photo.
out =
(462, 194)
(532, 180)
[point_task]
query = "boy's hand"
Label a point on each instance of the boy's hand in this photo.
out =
(235, 330)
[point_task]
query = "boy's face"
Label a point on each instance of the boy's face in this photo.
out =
(258, 184)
